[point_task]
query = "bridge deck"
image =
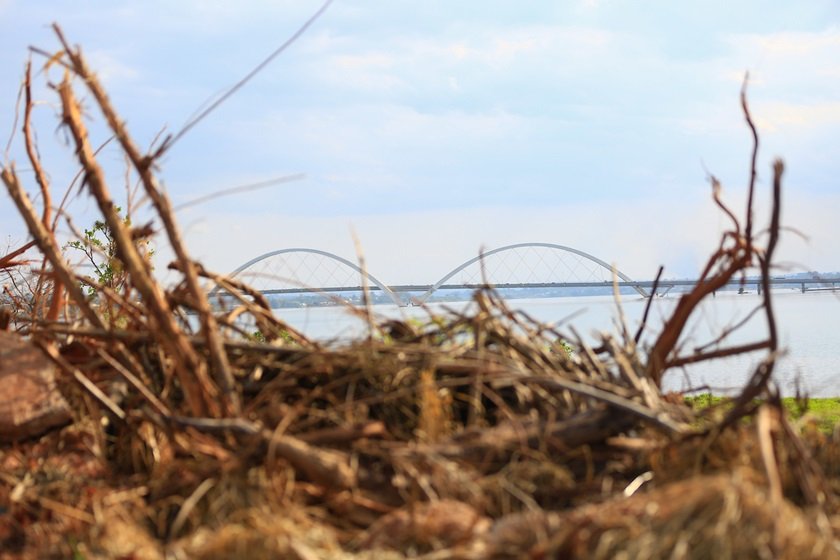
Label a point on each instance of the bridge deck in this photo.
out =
(645, 284)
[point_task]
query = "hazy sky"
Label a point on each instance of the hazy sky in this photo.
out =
(433, 129)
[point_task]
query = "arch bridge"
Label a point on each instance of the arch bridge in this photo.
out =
(521, 265)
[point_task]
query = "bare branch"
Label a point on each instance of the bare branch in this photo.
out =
(753, 159)
(648, 305)
(169, 142)
(239, 189)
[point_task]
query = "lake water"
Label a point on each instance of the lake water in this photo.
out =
(808, 328)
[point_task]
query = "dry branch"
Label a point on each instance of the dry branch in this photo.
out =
(47, 244)
(8, 260)
(199, 389)
(734, 255)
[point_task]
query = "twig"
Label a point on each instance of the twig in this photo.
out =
(32, 153)
(716, 190)
(261, 312)
(716, 354)
(366, 300)
(188, 505)
(7, 260)
(648, 305)
(240, 189)
(47, 244)
(79, 175)
(86, 383)
(719, 270)
(753, 159)
(327, 467)
(622, 319)
(673, 328)
(169, 142)
(135, 382)
(729, 330)
(758, 381)
(778, 170)
(14, 124)
(610, 399)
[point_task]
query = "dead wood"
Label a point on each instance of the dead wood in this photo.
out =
(736, 253)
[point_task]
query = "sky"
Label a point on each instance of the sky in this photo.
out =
(432, 130)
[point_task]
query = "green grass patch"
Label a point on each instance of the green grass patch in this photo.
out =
(826, 411)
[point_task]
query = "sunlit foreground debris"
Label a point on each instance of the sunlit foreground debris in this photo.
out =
(473, 434)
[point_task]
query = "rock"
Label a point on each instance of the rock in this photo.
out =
(30, 403)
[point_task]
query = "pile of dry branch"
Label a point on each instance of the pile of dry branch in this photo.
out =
(474, 435)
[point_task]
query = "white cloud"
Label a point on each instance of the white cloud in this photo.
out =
(405, 64)
(369, 72)
(781, 116)
(794, 45)
(805, 62)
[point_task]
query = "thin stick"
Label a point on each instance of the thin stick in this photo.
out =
(648, 305)
(721, 353)
(259, 308)
(47, 244)
(31, 152)
(778, 170)
(7, 260)
(753, 159)
(46, 199)
(366, 301)
(240, 189)
(79, 175)
(729, 330)
(716, 190)
(608, 398)
(86, 383)
(169, 142)
(188, 505)
(622, 319)
(14, 124)
(135, 382)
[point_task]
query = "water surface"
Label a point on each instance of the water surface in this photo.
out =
(808, 328)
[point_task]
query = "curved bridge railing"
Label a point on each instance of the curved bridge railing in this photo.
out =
(516, 246)
(373, 280)
(429, 290)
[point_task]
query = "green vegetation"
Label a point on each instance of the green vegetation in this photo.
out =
(826, 411)
(100, 250)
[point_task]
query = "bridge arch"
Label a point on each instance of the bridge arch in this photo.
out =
(373, 280)
(515, 246)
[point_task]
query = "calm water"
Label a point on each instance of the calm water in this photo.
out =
(808, 326)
